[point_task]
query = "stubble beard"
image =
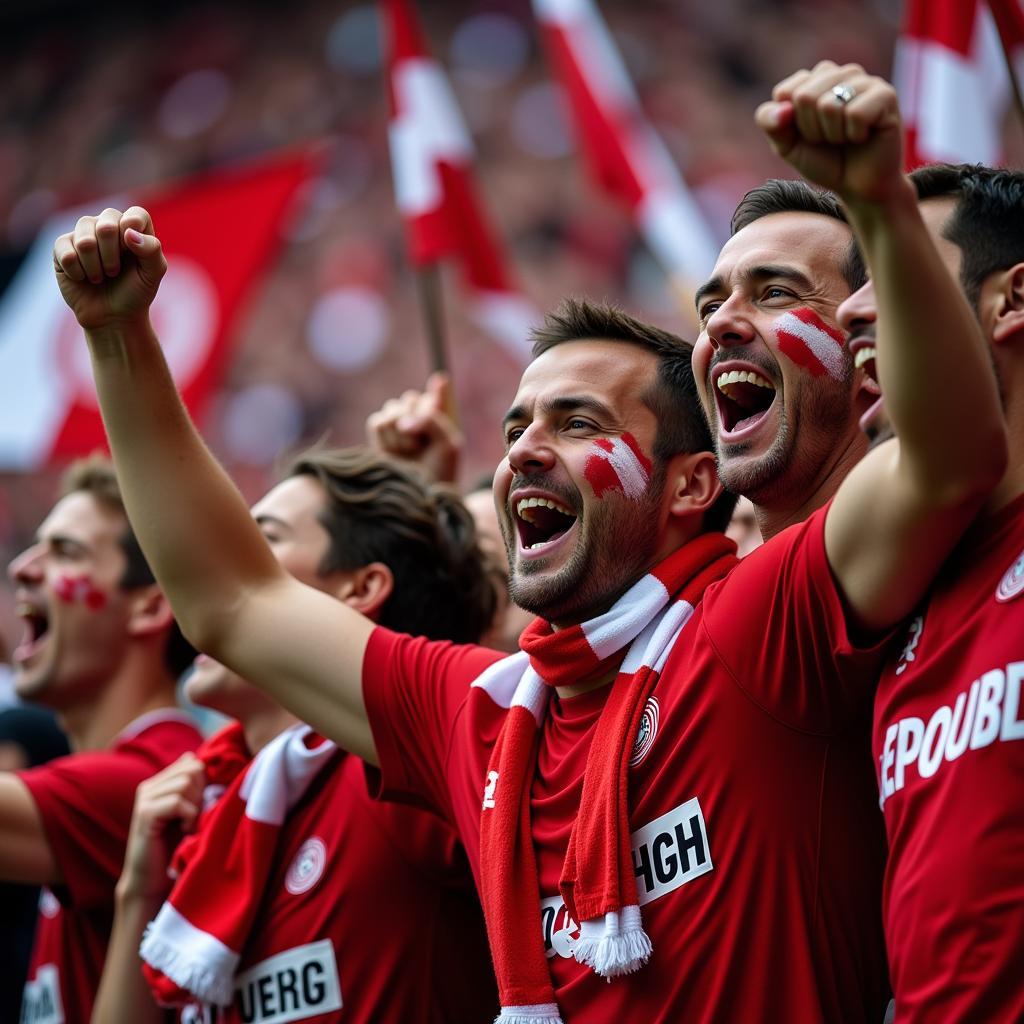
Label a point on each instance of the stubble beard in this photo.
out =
(615, 547)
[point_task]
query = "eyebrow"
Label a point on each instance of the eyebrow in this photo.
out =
(764, 272)
(567, 403)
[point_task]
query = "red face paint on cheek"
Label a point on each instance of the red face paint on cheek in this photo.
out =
(618, 464)
(811, 343)
(80, 590)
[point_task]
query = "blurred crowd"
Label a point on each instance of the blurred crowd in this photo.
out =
(105, 101)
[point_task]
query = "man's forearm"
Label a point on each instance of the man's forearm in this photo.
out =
(933, 362)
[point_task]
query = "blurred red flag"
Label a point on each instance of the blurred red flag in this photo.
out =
(625, 155)
(431, 162)
(951, 76)
(219, 232)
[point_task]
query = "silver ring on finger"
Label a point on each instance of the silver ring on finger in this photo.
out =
(843, 92)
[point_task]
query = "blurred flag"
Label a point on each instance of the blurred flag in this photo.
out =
(431, 161)
(950, 73)
(219, 232)
(625, 155)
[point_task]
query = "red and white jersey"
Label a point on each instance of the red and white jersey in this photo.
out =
(369, 917)
(949, 749)
(85, 802)
(757, 844)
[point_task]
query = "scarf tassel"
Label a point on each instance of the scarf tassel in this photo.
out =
(539, 1013)
(614, 945)
(212, 983)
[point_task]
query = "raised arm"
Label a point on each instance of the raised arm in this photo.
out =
(229, 595)
(901, 510)
(171, 797)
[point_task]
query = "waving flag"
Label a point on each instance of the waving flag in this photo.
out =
(431, 161)
(625, 155)
(951, 77)
(219, 233)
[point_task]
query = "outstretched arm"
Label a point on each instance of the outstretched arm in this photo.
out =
(901, 510)
(229, 595)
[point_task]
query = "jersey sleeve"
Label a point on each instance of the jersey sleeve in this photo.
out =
(780, 626)
(85, 801)
(415, 690)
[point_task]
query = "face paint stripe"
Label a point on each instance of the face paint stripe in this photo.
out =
(629, 466)
(795, 332)
(808, 316)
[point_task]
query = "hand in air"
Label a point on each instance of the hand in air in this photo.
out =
(840, 128)
(419, 427)
(109, 267)
(172, 797)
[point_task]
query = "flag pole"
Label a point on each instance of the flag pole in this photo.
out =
(428, 279)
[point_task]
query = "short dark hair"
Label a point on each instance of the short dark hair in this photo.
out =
(782, 195)
(987, 223)
(673, 395)
(378, 510)
(95, 476)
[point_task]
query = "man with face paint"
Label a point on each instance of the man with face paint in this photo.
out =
(101, 648)
(629, 770)
(948, 723)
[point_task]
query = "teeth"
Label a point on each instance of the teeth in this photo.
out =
(528, 503)
(741, 377)
(863, 355)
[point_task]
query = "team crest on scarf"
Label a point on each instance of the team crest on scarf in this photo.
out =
(647, 731)
(1012, 582)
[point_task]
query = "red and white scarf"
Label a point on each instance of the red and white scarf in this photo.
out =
(193, 946)
(597, 883)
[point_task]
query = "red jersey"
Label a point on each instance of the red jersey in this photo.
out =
(369, 916)
(85, 802)
(947, 738)
(757, 844)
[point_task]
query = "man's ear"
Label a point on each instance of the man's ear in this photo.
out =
(695, 485)
(367, 588)
(150, 612)
(1009, 309)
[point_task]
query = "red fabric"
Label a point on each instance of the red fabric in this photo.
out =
(225, 227)
(949, 751)
(386, 876)
(85, 801)
(770, 909)
(221, 874)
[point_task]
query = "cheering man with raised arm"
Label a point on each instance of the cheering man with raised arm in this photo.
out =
(630, 769)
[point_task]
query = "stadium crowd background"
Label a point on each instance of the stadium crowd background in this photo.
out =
(113, 97)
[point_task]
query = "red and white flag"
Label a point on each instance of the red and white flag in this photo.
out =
(950, 73)
(219, 232)
(431, 162)
(626, 156)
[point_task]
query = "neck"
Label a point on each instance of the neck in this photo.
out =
(262, 726)
(140, 686)
(595, 684)
(774, 516)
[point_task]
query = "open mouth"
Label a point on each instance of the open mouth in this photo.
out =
(541, 522)
(743, 398)
(37, 625)
(864, 358)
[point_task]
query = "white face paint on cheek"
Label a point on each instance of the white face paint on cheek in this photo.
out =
(618, 464)
(811, 343)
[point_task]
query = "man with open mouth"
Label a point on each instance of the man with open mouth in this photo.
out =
(948, 718)
(656, 791)
(100, 648)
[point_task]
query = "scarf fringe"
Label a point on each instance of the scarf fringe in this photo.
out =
(614, 946)
(539, 1013)
(209, 982)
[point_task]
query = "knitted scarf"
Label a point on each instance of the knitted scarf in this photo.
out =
(597, 883)
(193, 946)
